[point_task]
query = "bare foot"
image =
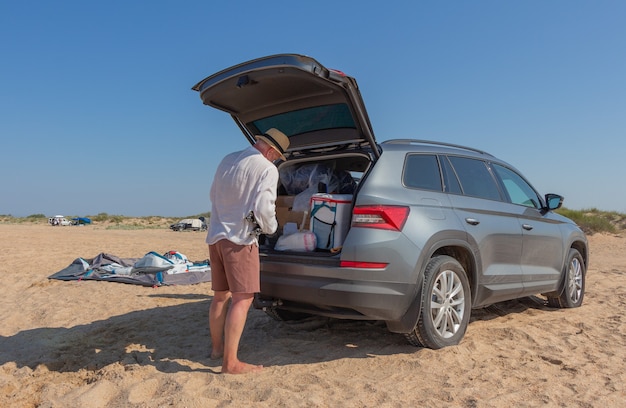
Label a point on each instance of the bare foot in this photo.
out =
(241, 368)
(216, 355)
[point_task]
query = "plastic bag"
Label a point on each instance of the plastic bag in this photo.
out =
(316, 178)
(302, 201)
(298, 241)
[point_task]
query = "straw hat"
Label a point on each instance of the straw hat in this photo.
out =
(276, 139)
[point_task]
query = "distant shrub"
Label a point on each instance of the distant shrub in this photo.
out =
(116, 218)
(100, 217)
(133, 226)
(36, 216)
(593, 220)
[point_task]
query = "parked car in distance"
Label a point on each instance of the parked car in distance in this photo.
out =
(59, 220)
(189, 224)
(433, 230)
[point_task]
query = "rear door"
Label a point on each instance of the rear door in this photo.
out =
(492, 227)
(317, 108)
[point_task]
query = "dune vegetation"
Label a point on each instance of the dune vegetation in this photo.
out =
(104, 220)
(590, 220)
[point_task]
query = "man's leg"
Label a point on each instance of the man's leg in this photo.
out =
(217, 320)
(235, 323)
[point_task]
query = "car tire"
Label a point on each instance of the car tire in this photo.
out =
(445, 307)
(572, 290)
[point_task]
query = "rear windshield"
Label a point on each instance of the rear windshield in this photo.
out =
(308, 120)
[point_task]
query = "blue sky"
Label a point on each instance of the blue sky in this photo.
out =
(97, 112)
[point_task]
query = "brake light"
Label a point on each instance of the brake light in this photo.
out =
(337, 72)
(387, 217)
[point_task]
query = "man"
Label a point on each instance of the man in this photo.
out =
(245, 182)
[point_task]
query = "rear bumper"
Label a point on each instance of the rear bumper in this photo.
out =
(311, 289)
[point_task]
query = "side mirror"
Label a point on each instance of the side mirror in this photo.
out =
(553, 201)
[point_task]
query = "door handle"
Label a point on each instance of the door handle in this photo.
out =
(472, 221)
(527, 227)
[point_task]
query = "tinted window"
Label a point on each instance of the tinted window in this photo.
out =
(309, 120)
(475, 178)
(518, 190)
(422, 171)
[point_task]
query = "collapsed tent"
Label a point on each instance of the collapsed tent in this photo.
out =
(172, 268)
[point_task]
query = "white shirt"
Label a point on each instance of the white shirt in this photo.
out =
(244, 181)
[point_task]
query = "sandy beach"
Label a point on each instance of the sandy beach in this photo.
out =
(105, 344)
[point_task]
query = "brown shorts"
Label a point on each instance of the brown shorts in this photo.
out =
(235, 267)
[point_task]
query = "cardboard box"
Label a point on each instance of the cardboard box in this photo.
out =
(285, 213)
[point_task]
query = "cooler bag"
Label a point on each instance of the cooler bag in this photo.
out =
(330, 219)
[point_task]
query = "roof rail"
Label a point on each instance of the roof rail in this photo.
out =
(432, 142)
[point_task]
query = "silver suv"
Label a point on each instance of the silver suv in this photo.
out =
(433, 230)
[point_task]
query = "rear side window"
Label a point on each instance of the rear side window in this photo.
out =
(422, 171)
(475, 178)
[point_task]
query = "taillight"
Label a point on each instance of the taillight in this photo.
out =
(387, 217)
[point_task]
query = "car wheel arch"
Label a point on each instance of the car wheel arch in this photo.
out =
(457, 249)
(464, 253)
(583, 249)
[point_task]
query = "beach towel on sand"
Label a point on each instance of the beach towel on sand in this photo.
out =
(153, 269)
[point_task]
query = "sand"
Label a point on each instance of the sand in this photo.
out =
(104, 344)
